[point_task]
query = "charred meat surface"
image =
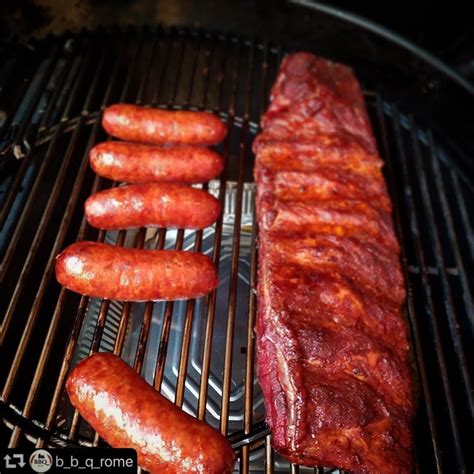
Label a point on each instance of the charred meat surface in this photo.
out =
(331, 337)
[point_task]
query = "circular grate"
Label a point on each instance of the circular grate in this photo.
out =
(201, 353)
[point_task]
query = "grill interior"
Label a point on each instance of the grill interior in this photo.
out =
(200, 353)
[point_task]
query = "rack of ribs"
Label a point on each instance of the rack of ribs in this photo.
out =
(331, 337)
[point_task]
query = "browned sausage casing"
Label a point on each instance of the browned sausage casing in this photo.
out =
(159, 205)
(106, 271)
(135, 123)
(135, 163)
(129, 413)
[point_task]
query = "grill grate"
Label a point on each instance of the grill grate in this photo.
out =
(45, 329)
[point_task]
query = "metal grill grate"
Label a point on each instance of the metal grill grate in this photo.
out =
(200, 353)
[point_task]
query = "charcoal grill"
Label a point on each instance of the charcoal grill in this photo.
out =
(201, 353)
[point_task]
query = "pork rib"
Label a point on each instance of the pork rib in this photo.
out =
(331, 339)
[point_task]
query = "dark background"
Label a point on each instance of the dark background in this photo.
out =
(444, 28)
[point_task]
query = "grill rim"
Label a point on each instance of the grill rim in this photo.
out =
(389, 35)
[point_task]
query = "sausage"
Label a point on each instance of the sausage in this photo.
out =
(128, 413)
(135, 163)
(135, 123)
(106, 271)
(160, 205)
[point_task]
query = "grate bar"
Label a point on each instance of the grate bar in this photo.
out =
(61, 94)
(172, 97)
(122, 330)
(139, 243)
(464, 212)
(32, 394)
(140, 240)
(166, 325)
(125, 315)
(146, 324)
(143, 337)
(145, 329)
(31, 100)
(65, 81)
(104, 308)
(269, 460)
(232, 301)
(447, 215)
(98, 331)
(429, 300)
(29, 262)
(29, 204)
(211, 307)
(154, 100)
(25, 65)
(190, 306)
(165, 328)
(67, 359)
(161, 237)
(186, 341)
(45, 220)
(250, 356)
(146, 76)
(80, 314)
(436, 245)
(38, 182)
(294, 468)
(26, 111)
(421, 365)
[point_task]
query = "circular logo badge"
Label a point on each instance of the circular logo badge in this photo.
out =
(41, 461)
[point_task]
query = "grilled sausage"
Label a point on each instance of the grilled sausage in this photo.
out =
(160, 205)
(127, 412)
(105, 271)
(156, 126)
(135, 163)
